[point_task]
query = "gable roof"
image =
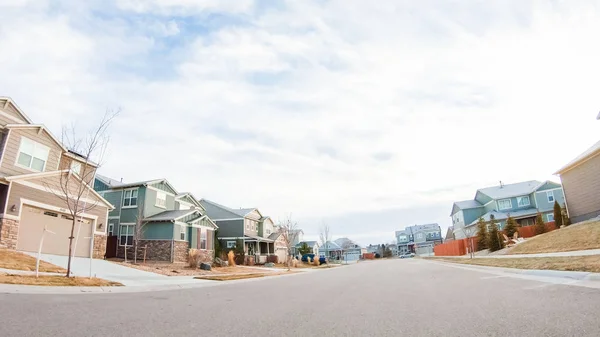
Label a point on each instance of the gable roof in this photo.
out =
(116, 184)
(79, 157)
(218, 211)
(171, 215)
(330, 246)
(593, 151)
(511, 190)
(37, 126)
(9, 101)
(189, 196)
(465, 204)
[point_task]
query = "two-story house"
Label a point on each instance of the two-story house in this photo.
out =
(166, 223)
(418, 239)
(256, 231)
(521, 201)
(350, 249)
(36, 172)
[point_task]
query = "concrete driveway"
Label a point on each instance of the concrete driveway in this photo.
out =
(114, 272)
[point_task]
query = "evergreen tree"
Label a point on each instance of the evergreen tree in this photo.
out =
(494, 241)
(540, 226)
(482, 235)
(566, 220)
(511, 227)
(304, 249)
(558, 218)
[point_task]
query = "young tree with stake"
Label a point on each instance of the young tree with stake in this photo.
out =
(325, 237)
(289, 233)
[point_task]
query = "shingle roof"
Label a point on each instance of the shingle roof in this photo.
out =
(171, 215)
(109, 181)
(581, 158)
(217, 211)
(118, 184)
(467, 204)
(510, 190)
(274, 236)
(330, 246)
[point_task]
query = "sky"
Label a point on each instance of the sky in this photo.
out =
(367, 116)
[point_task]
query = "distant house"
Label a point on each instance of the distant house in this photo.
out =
(449, 234)
(418, 239)
(521, 201)
(350, 249)
(373, 249)
(331, 250)
(314, 245)
(581, 184)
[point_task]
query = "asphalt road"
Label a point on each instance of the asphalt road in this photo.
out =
(378, 298)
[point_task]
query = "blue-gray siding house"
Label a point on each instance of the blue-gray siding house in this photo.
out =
(418, 239)
(522, 201)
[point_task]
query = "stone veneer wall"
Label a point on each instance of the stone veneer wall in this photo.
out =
(9, 231)
(157, 250)
(181, 251)
(99, 246)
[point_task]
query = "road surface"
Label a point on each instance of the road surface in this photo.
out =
(375, 298)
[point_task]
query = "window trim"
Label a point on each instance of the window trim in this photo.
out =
(183, 230)
(203, 232)
(136, 198)
(522, 197)
(509, 202)
(121, 225)
(548, 194)
(548, 217)
(76, 163)
(35, 144)
(110, 229)
(230, 245)
(157, 199)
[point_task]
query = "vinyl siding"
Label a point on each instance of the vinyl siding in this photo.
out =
(100, 186)
(473, 214)
(114, 197)
(18, 192)
(87, 171)
(230, 228)
(9, 157)
(158, 231)
(515, 206)
(163, 187)
(581, 186)
(542, 200)
(150, 207)
(11, 111)
(482, 198)
(548, 186)
(129, 215)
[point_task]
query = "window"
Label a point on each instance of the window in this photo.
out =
(130, 198)
(504, 204)
(52, 214)
(126, 235)
(184, 206)
(550, 217)
(32, 155)
(523, 201)
(182, 233)
(76, 166)
(550, 196)
(202, 239)
(161, 200)
(230, 244)
(253, 227)
(247, 224)
(111, 228)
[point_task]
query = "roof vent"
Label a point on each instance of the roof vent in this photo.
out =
(501, 184)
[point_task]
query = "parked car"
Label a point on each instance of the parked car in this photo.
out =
(407, 255)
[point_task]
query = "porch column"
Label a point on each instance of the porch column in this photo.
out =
(268, 250)
(258, 245)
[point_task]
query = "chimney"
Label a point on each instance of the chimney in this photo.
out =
(501, 184)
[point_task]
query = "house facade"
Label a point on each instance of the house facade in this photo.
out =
(351, 251)
(581, 182)
(313, 245)
(418, 239)
(257, 232)
(521, 201)
(166, 223)
(41, 183)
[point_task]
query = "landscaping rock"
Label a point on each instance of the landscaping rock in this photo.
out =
(270, 265)
(205, 266)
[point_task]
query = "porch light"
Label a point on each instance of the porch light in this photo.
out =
(13, 208)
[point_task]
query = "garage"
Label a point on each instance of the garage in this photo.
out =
(32, 224)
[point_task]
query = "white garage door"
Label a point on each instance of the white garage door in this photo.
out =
(32, 225)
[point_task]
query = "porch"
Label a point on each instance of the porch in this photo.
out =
(259, 247)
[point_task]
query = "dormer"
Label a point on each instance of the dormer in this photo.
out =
(77, 163)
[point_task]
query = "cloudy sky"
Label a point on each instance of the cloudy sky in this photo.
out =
(365, 115)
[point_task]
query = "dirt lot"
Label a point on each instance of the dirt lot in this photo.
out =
(9, 259)
(575, 237)
(573, 263)
(55, 281)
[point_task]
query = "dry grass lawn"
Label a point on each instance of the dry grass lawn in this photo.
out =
(578, 237)
(231, 277)
(182, 269)
(56, 281)
(10, 259)
(573, 263)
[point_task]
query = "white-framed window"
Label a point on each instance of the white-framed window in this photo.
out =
(76, 166)
(111, 229)
(504, 204)
(253, 225)
(550, 196)
(130, 198)
(419, 236)
(523, 201)
(550, 217)
(247, 224)
(32, 155)
(183, 206)
(182, 233)
(126, 234)
(203, 238)
(161, 200)
(230, 244)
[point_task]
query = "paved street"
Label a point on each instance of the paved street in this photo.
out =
(378, 298)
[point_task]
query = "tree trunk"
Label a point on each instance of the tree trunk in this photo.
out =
(70, 248)
(135, 245)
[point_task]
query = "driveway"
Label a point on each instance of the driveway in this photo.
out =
(409, 297)
(114, 272)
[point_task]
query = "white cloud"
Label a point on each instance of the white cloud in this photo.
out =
(318, 108)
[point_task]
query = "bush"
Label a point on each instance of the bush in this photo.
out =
(511, 227)
(193, 258)
(494, 242)
(558, 217)
(540, 226)
(377, 256)
(482, 235)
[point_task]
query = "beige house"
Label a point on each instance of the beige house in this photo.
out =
(581, 185)
(37, 173)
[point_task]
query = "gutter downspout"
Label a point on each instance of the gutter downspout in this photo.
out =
(173, 242)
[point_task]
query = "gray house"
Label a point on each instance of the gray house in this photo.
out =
(256, 231)
(581, 182)
(521, 201)
(418, 239)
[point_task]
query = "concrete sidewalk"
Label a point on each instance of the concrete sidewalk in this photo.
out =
(588, 252)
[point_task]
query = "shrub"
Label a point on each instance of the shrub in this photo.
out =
(540, 226)
(511, 227)
(193, 258)
(558, 217)
(316, 262)
(231, 258)
(482, 235)
(377, 256)
(494, 241)
(304, 249)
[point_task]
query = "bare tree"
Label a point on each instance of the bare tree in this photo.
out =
(325, 236)
(289, 233)
(138, 232)
(73, 185)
